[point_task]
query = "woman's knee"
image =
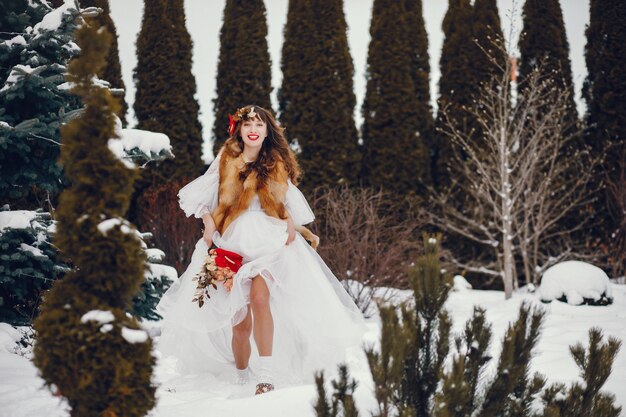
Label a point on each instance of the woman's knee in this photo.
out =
(259, 295)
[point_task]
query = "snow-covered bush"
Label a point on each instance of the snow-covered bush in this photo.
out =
(29, 264)
(576, 283)
(158, 278)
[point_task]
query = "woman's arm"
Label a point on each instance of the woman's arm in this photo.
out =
(291, 230)
(209, 229)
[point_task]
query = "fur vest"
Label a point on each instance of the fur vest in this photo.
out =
(236, 195)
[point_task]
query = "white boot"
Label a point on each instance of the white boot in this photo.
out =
(266, 375)
(243, 376)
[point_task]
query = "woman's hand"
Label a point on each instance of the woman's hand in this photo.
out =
(291, 231)
(209, 229)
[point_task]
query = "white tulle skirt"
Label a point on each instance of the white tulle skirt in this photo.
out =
(314, 318)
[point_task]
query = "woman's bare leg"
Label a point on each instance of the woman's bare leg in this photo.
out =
(263, 321)
(241, 342)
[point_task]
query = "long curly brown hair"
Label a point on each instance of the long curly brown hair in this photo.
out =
(275, 147)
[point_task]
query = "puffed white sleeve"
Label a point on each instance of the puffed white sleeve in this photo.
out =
(200, 195)
(297, 206)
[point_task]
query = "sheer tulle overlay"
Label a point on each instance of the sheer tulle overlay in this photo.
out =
(314, 318)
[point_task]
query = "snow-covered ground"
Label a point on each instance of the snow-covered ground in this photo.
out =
(22, 395)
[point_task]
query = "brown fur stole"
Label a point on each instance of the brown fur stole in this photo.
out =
(236, 194)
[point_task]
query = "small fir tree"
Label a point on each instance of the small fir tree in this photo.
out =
(112, 71)
(342, 402)
(586, 399)
(94, 354)
(394, 153)
(410, 380)
(316, 99)
(244, 74)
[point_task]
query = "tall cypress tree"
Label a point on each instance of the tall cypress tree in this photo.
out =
(244, 74)
(489, 54)
(605, 93)
(420, 69)
(164, 100)
(455, 82)
(87, 347)
(544, 39)
(112, 71)
(298, 65)
(392, 146)
(316, 99)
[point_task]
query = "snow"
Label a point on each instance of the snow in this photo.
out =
(575, 280)
(134, 336)
(28, 248)
(16, 219)
(105, 226)
(157, 270)
(52, 21)
(155, 254)
(18, 72)
(17, 40)
(461, 284)
(128, 139)
(21, 393)
(100, 316)
(9, 336)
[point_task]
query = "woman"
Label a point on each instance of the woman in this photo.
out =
(284, 295)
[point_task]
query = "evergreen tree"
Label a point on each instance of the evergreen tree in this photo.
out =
(35, 101)
(394, 153)
(244, 74)
(112, 71)
(87, 347)
(420, 69)
(342, 402)
(455, 83)
(605, 93)
(586, 399)
(166, 87)
(316, 100)
(544, 39)
(410, 380)
(16, 15)
(29, 263)
(489, 53)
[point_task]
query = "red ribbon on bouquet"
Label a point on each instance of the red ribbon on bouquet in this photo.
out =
(227, 259)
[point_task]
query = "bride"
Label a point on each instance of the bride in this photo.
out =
(300, 316)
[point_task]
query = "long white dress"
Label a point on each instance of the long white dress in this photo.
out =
(314, 318)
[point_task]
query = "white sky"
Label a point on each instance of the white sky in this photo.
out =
(204, 21)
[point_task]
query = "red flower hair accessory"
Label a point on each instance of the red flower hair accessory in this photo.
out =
(239, 115)
(232, 124)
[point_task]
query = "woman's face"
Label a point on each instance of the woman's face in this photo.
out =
(253, 132)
